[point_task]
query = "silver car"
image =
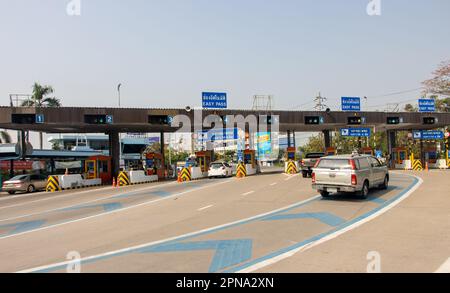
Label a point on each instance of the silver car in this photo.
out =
(25, 183)
(349, 173)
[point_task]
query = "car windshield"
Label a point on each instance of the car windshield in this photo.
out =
(216, 166)
(20, 177)
(342, 164)
(314, 155)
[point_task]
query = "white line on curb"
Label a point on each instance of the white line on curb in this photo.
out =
(444, 268)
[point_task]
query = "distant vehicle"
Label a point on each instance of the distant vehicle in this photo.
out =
(309, 162)
(349, 173)
(25, 183)
(220, 169)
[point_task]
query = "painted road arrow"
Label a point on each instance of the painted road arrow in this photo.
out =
(326, 218)
(228, 252)
(21, 227)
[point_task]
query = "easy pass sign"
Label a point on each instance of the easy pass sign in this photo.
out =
(214, 100)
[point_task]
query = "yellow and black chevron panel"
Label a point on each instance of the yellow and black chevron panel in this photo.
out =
(185, 175)
(291, 168)
(241, 171)
(123, 179)
(417, 165)
(53, 184)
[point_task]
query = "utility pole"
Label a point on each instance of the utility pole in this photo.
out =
(320, 103)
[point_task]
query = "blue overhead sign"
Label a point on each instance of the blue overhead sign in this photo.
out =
(427, 105)
(356, 132)
(109, 119)
(218, 134)
(214, 100)
(351, 104)
(430, 134)
(40, 118)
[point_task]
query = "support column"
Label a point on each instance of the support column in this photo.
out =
(162, 149)
(23, 145)
(114, 152)
(289, 138)
(328, 138)
(391, 142)
(294, 144)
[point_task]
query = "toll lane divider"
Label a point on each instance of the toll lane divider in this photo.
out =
(53, 184)
(291, 168)
(184, 175)
(241, 171)
(123, 179)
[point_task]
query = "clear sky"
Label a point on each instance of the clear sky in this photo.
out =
(166, 52)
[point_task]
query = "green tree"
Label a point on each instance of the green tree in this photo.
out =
(40, 99)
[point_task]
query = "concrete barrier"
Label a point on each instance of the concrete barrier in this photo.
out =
(250, 170)
(440, 164)
(406, 165)
(75, 181)
(196, 173)
(139, 177)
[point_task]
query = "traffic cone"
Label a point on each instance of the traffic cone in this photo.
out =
(114, 182)
(426, 166)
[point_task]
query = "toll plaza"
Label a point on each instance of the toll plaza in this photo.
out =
(113, 121)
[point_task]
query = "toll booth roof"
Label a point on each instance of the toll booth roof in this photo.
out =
(63, 154)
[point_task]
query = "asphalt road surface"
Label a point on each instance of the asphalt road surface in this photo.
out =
(266, 223)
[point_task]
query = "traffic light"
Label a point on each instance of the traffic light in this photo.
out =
(269, 120)
(23, 118)
(312, 120)
(429, 120)
(393, 120)
(159, 119)
(355, 120)
(95, 119)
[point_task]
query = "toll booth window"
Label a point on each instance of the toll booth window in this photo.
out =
(402, 156)
(103, 166)
(248, 159)
(291, 156)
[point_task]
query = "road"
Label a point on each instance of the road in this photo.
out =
(270, 222)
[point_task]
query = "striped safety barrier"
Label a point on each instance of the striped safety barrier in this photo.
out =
(123, 179)
(185, 175)
(241, 171)
(417, 165)
(53, 184)
(291, 168)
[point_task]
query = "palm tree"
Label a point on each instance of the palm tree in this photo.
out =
(5, 137)
(39, 99)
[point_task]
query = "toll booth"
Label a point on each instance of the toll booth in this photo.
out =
(290, 154)
(330, 151)
(400, 158)
(431, 155)
(251, 165)
(367, 151)
(154, 165)
(98, 167)
(204, 159)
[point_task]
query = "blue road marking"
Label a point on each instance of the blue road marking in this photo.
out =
(377, 200)
(228, 252)
(326, 218)
(21, 227)
(161, 193)
(240, 251)
(320, 236)
(107, 207)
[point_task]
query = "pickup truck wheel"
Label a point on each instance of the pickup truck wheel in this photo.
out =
(11, 192)
(385, 184)
(325, 194)
(364, 191)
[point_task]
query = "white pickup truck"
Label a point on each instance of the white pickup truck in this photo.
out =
(349, 173)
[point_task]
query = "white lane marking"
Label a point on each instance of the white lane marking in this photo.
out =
(49, 198)
(273, 184)
(205, 208)
(124, 250)
(248, 193)
(87, 202)
(444, 268)
(290, 177)
(288, 254)
(114, 211)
